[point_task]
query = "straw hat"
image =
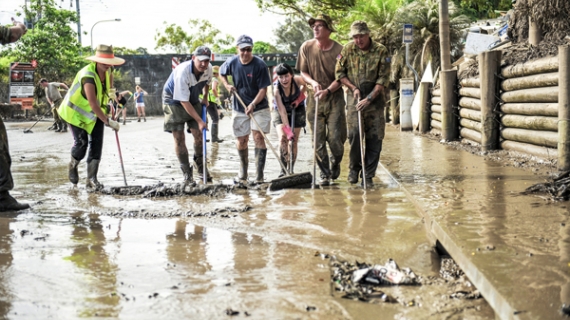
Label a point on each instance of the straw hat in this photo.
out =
(104, 54)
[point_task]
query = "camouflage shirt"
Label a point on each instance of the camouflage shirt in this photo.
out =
(363, 66)
(4, 34)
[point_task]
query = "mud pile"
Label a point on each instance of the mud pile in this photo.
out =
(162, 190)
(558, 189)
(225, 212)
(368, 283)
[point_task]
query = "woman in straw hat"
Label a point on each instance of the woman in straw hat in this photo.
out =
(85, 109)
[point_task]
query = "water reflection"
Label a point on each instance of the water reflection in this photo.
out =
(6, 259)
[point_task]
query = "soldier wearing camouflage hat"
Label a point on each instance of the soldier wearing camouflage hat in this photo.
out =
(363, 68)
(316, 61)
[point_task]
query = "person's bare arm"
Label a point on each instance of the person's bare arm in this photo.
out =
(228, 86)
(190, 109)
(260, 95)
(310, 81)
(94, 103)
(64, 86)
(351, 87)
(281, 107)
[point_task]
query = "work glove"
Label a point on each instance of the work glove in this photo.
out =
(114, 125)
(288, 132)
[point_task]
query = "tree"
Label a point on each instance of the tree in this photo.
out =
(291, 35)
(52, 42)
(201, 33)
(302, 7)
(261, 47)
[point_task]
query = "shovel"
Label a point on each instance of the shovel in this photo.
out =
(126, 186)
(204, 149)
(362, 166)
(290, 180)
(291, 143)
(29, 130)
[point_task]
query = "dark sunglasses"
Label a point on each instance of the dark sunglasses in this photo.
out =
(248, 49)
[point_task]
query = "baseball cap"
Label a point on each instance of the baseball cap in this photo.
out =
(203, 53)
(244, 41)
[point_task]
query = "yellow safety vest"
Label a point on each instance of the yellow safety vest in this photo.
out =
(75, 108)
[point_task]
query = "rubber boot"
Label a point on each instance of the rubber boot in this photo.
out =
(260, 155)
(243, 163)
(59, 126)
(92, 184)
(199, 164)
(8, 203)
(215, 133)
(144, 119)
(73, 174)
(53, 126)
(284, 161)
(63, 126)
(187, 172)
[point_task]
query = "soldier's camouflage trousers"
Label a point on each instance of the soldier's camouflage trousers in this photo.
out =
(331, 129)
(374, 125)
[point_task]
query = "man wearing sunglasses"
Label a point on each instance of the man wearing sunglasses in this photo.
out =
(316, 61)
(251, 79)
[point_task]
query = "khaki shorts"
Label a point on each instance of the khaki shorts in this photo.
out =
(175, 116)
(242, 125)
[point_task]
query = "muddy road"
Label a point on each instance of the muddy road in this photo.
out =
(263, 254)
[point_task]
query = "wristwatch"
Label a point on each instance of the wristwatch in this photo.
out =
(369, 97)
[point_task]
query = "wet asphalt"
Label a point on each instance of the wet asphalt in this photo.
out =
(76, 254)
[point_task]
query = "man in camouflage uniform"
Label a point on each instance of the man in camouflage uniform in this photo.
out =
(316, 62)
(362, 67)
(54, 99)
(7, 203)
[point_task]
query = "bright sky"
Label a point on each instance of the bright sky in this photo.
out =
(141, 18)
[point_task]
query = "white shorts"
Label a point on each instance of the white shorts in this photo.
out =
(243, 125)
(140, 104)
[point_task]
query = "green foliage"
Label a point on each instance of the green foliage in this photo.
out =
(291, 35)
(260, 47)
(302, 7)
(483, 9)
(201, 33)
(120, 51)
(123, 80)
(52, 42)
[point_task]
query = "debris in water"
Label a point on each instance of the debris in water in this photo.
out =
(558, 189)
(231, 312)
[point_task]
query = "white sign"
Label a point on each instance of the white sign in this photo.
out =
(221, 56)
(406, 99)
(407, 38)
(137, 80)
(477, 42)
(21, 91)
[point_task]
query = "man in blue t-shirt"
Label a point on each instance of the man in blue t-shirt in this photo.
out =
(251, 79)
(181, 105)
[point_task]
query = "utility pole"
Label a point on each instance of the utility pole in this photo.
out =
(78, 23)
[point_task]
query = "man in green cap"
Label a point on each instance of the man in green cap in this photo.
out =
(316, 61)
(363, 69)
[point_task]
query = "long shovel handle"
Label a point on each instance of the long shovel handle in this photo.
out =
(204, 149)
(121, 158)
(315, 143)
(291, 143)
(262, 133)
(27, 130)
(363, 166)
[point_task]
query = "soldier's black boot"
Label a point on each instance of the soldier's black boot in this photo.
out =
(260, 155)
(92, 184)
(73, 174)
(8, 203)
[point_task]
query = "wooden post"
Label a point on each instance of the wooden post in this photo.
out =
(564, 108)
(489, 69)
(395, 116)
(425, 110)
(449, 116)
(534, 33)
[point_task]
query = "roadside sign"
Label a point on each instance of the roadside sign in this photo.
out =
(22, 84)
(221, 56)
(407, 38)
(137, 80)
